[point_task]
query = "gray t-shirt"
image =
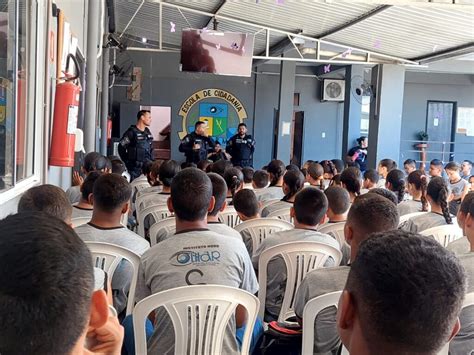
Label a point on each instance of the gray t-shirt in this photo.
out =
(423, 222)
(247, 239)
(457, 188)
(189, 258)
(460, 246)
(409, 206)
(123, 237)
(269, 193)
(79, 212)
(463, 343)
(276, 269)
(275, 207)
(224, 230)
(317, 283)
(74, 194)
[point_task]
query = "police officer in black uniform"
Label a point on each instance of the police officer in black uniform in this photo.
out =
(197, 145)
(135, 147)
(241, 147)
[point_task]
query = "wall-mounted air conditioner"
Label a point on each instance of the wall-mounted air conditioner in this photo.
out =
(333, 90)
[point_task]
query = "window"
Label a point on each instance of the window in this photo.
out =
(17, 90)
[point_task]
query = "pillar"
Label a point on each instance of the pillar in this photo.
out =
(104, 110)
(352, 111)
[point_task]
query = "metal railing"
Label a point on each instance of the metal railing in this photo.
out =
(444, 151)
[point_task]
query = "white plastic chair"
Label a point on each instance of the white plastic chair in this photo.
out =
(163, 228)
(229, 217)
(300, 258)
(282, 213)
(444, 234)
(200, 314)
(311, 310)
(146, 200)
(108, 256)
(260, 228)
(158, 212)
(268, 203)
(335, 229)
(79, 221)
(406, 217)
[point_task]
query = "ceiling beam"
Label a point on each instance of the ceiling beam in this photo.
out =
(446, 54)
(216, 12)
(355, 21)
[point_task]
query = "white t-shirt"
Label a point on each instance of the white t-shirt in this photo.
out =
(276, 269)
(188, 258)
(79, 212)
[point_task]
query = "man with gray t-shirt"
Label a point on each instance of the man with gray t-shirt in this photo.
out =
(383, 216)
(194, 255)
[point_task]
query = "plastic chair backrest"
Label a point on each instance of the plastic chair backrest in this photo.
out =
(229, 217)
(260, 228)
(268, 203)
(406, 217)
(444, 234)
(79, 221)
(108, 256)
(146, 200)
(335, 229)
(199, 314)
(158, 212)
(300, 258)
(282, 213)
(310, 312)
(162, 228)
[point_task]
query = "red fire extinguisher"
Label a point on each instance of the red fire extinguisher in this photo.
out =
(66, 109)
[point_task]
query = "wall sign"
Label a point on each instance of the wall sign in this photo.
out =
(221, 110)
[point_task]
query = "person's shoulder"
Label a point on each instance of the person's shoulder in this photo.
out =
(328, 279)
(83, 228)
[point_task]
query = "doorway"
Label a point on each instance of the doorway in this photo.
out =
(440, 126)
(297, 138)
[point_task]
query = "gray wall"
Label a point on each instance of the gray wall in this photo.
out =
(421, 87)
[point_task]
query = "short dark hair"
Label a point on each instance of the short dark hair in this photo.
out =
(389, 164)
(467, 161)
(220, 166)
(310, 206)
(452, 165)
(396, 179)
(146, 168)
(87, 186)
(49, 199)
(404, 284)
(245, 202)
(292, 167)
(371, 175)
(372, 213)
(315, 170)
(191, 192)
(338, 199)
(168, 171)
(242, 124)
(389, 195)
(350, 177)
(261, 179)
(118, 166)
(203, 165)
(185, 165)
(410, 162)
(141, 113)
(219, 191)
(339, 164)
(46, 278)
(248, 174)
(198, 123)
(233, 178)
(436, 162)
(111, 192)
(467, 204)
(94, 161)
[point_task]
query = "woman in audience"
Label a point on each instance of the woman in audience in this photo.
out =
(437, 196)
(350, 179)
(293, 181)
(315, 176)
(457, 185)
(329, 171)
(336, 180)
(234, 178)
(84, 207)
(417, 184)
(276, 170)
(385, 166)
(396, 182)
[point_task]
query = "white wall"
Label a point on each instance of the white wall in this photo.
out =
(76, 14)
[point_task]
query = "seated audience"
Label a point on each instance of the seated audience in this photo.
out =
(84, 207)
(219, 192)
(314, 175)
(293, 181)
(371, 178)
(153, 179)
(308, 212)
(247, 207)
(437, 196)
(234, 179)
(456, 185)
(336, 180)
(400, 285)
(409, 166)
(330, 171)
(395, 182)
(350, 180)
(417, 185)
(383, 216)
(48, 304)
(461, 245)
(384, 167)
(436, 168)
(220, 166)
(204, 165)
(176, 262)
(111, 195)
(339, 202)
(93, 161)
(248, 177)
(276, 170)
(339, 165)
(165, 174)
(466, 169)
(385, 193)
(118, 167)
(260, 181)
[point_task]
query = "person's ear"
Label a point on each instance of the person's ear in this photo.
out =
(348, 233)
(292, 212)
(323, 219)
(224, 206)
(241, 215)
(169, 203)
(212, 203)
(125, 208)
(388, 185)
(345, 311)
(99, 310)
(456, 328)
(90, 199)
